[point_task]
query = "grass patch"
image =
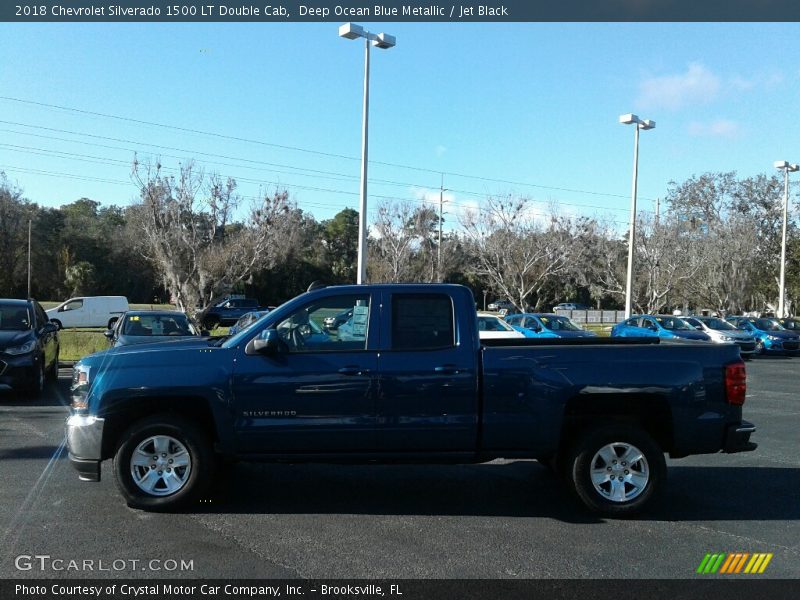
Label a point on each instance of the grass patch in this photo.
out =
(77, 343)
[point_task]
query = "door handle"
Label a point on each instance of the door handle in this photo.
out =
(447, 370)
(353, 371)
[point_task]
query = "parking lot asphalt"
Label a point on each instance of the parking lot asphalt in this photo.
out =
(500, 520)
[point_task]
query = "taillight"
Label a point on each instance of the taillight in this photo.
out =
(735, 383)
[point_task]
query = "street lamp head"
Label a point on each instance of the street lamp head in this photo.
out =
(629, 119)
(351, 31)
(384, 40)
(783, 164)
(647, 124)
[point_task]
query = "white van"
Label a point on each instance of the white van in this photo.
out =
(89, 311)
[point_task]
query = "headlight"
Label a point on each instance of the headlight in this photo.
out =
(23, 349)
(774, 338)
(80, 386)
(726, 338)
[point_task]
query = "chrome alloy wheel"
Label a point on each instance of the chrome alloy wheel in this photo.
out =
(160, 465)
(619, 472)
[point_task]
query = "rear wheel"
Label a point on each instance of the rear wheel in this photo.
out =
(760, 348)
(615, 470)
(210, 323)
(162, 463)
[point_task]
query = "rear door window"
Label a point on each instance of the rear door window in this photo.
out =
(422, 322)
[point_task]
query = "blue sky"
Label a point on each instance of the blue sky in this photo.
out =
(525, 109)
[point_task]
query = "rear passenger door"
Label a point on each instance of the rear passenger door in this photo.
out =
(428, 391)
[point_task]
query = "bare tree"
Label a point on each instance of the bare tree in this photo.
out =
(187, 230)
(14, 214)
(516, 251)
(400, 232)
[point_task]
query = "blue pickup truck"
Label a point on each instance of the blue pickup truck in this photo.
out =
(410, 382)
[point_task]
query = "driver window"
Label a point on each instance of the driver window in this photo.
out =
(73, 305)
(338, 323)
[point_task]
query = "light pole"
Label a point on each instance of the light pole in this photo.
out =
(442, 190)
(631, 119)
(351, 31)
(787, 168)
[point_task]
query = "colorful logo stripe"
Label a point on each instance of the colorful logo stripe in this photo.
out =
(734, 562)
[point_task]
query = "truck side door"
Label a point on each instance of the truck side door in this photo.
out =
(428, 398)
(317, 394)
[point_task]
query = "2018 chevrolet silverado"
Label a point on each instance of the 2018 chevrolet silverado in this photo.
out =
(410, 382)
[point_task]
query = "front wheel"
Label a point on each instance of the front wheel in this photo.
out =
(615, 470)
(163, 462)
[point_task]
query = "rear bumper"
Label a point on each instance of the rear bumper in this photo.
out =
(737, 438)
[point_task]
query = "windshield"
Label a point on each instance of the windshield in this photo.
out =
(718, 324)
(559, 324)
(768, 325)
(672, 323)
(14, 318)
(488, 323)
(157, 325)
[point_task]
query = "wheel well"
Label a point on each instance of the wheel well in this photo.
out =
(650, 412)
(127, 412)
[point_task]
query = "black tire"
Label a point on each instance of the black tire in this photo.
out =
(52, 372)
(642, 477)
(210, 323)
(36, 384)
(57, 323)
(760, 349)
(188, 437)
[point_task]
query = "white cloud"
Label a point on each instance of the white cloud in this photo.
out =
(764, 81)
(723, 128)
(698, 85)
(431, 196)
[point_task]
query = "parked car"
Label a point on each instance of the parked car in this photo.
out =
(499, 305)
(541, 325)
(89, 311)
(421, 386)
(770, 335)
(661, 326)
(790, 324)
(570, 306)
(246, 320)
(228, 311)
(493, 327)
(150, 326)
(722, 332)
(29, 346)
(333, 322)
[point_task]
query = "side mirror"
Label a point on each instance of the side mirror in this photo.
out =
(269, 342)
(108, 333)
(49, 327)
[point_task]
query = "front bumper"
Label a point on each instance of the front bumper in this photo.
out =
(737, 438)
(18, 370)
(85, 442)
